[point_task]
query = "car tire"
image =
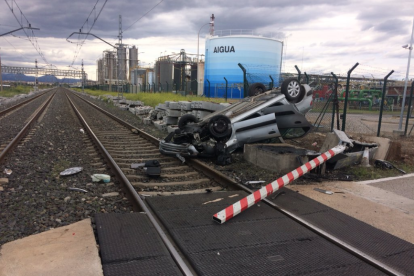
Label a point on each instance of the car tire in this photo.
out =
(293, 91)
(256, 89)
(220, 126)
(186, 119)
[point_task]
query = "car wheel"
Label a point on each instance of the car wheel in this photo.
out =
(293, 91)
(219, 126)
(256, 89)
(186, 119)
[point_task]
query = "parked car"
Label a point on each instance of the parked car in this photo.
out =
(275, 113)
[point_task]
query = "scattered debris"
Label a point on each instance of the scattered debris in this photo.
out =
(82, 131)
(387, 165)
(315, 144)
(324, 191)
(4, 181)
(150, 167)
(110, 194)
(101, 177)
(8, 171)
(77, 189)
(212, 201)
(71, 171)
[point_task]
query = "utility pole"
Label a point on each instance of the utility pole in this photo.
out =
(36, 81)
(1, 78)
(83, 79)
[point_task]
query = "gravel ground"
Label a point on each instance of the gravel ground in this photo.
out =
(11, 124)
(36, 198)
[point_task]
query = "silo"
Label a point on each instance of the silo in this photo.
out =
(121, 54)
(133, 59)
(260, 56)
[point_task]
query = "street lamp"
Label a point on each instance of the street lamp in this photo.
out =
(406, 78)
(198, 41)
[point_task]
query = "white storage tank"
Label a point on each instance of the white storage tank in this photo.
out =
(260, 56)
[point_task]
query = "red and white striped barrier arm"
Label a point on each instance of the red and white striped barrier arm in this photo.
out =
(250, 200)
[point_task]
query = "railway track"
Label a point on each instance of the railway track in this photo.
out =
(194, 185)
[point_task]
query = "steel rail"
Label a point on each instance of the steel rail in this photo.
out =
(21, 104)
(133, 193)
(24, 130)
(226, 181)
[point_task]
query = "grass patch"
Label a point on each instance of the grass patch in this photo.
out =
(15, 90)
(363, 173)
(152, 99)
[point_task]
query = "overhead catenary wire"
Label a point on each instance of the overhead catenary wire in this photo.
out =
(79, 45)
(34, 43)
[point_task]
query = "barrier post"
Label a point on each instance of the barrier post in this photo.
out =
(238, 207)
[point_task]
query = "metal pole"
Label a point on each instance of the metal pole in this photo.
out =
(346, 95)
(307, 78)
(336, 103)
(1, 78)
(299, 74)
(382, 101)
(272, 83)
(244, 80)
(167, 85)
(406, 78)
(83, 82)
(225, 95)
(409, 108)
(208, 88)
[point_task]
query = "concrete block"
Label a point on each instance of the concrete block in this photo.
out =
(279, 158)
(160, 115)
(174, 105)
(206, 106)
(383, 146)
(170, 120)
(160, 125)
(331, 141)
(161, 107)
(202, 113)
(173, 113)
(147, 121)
(185, 105)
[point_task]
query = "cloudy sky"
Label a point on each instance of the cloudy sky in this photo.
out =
(320, 36)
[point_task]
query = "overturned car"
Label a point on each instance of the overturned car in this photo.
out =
(272, 114)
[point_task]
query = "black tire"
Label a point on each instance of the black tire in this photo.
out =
(220, 126)
(256, 89)
(186, 119)
(293, 91)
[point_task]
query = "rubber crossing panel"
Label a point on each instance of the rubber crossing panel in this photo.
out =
(129, 245)
(393, 251)
(261, 241)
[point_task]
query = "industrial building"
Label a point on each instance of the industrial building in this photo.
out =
(112, 67)
(176, 72)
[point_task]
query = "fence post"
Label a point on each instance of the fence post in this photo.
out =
(382, 101)
(272, 83)
(245, 83)
(153, 87)
(167, 85)
(225, 95)
(336, 104)
(346, 95)
(299, 73)
(409, 108)
(307, 78)
(208, 88)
